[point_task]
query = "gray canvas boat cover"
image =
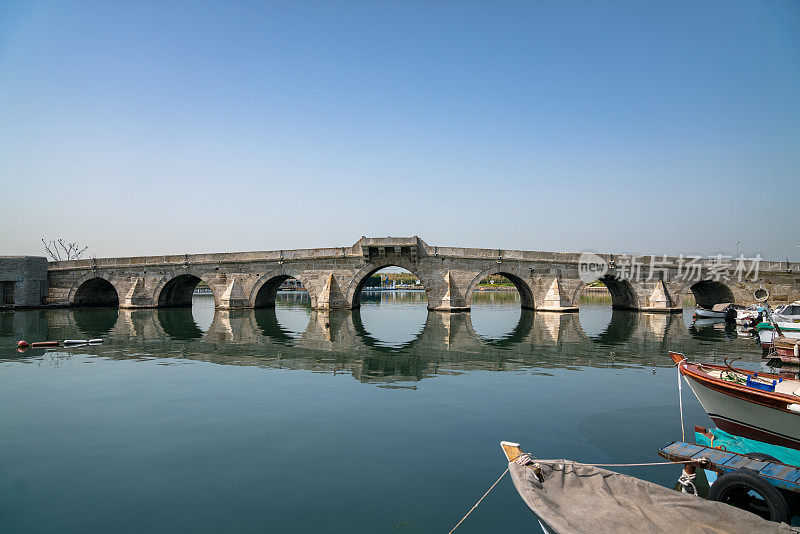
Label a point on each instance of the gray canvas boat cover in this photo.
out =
(577, 497)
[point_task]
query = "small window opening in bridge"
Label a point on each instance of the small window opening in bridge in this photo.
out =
(96, 292)
(283, 307)
(496, 306)
(393, 307)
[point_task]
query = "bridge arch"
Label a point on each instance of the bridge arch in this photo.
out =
(709, 292)
(514, 276)
(175, 290)
(623, 294)
(266, 288)
(94, 289)
(353, 294)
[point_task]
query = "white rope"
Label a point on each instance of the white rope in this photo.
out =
(689, 461)
(699, 460)
(479, 501)
(680, 401)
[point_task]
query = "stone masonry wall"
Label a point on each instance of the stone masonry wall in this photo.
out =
(334, 277)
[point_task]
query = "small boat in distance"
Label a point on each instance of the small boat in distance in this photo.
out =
(717, 311)
(749, 317)
(569, 496)
(723, 310)
(754, 405)
(767, 333)
(788, 314)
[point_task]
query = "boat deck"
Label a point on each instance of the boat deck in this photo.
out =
(778, 474)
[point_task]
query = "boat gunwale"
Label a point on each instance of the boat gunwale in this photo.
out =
(778, 401)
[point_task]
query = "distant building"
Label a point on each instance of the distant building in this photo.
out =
(291, 284)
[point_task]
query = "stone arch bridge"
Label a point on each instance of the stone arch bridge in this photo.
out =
(334, 278)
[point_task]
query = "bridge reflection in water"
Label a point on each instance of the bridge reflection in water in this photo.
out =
(383, 342)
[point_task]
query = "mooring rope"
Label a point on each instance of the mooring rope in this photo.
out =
(479, 501)
(680, 400)
(527, 460)
(690, 461)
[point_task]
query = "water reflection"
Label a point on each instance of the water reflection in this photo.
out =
(203, 311)
(392, 338)
(713, 329)
(496, 314)
(595, 320)
(268, 324)
(619, 328)
(177, 410)
(391, 319)
(180, 323)
(95, 322)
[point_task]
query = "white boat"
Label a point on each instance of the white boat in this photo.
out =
(759, 406)
(788, 314)
(709, 313)
(748, 317)
(767, 333)
(723, 310)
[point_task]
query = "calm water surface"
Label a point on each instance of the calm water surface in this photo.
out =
(385, 419)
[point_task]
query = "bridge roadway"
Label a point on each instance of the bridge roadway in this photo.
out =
(334, 278)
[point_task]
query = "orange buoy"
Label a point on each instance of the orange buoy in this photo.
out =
(22, 344)
(44, 344)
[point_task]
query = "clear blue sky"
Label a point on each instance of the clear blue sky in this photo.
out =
(649, 127)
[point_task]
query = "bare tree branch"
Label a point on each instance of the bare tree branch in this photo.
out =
(71, 250)
(52, 250)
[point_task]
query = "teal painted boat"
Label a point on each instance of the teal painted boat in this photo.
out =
(719, 439)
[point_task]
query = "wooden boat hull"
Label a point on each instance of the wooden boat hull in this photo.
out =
(786, 349)
(745, 418)
(788, 358)
(742, 410)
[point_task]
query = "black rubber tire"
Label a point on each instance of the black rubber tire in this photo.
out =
(761, 457)
(732, 488)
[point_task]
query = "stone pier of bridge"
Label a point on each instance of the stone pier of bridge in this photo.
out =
(334, 278)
